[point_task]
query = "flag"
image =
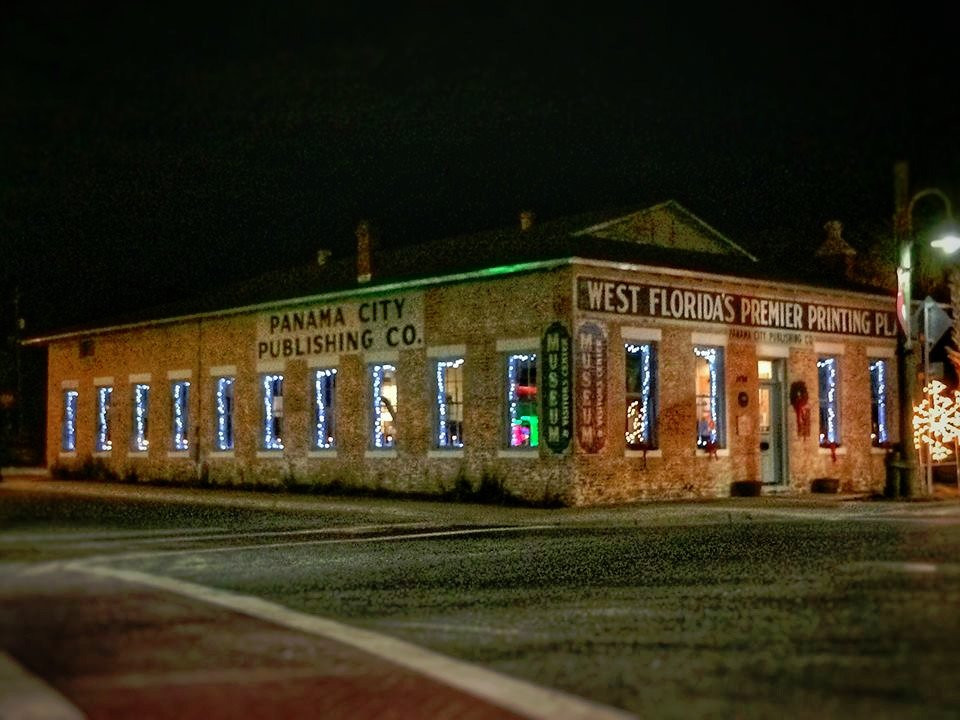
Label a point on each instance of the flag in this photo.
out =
(903, 287)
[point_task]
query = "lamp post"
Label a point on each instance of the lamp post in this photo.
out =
(903, 224)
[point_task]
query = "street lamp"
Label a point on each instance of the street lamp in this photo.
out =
(949, 242)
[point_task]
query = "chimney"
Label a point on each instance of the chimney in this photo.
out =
(322, 256)
(527, 218)
(364, 250)
(835, 251)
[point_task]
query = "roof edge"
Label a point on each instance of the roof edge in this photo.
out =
(441, 279)
(354, 292)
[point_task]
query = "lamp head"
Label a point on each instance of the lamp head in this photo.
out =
(949, 243)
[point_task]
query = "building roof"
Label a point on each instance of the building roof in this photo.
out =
(666, 235)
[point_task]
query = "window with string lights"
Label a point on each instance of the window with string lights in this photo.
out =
(223, 409)
(523, 403)
(879, 402)
(140, 437)
(68, 432)
(449, 403)
(383, 380)
(180, 415)
(709, 398)
(324, 399)
(828, 392)
(272, 403)
(103, 442)
(641, 395)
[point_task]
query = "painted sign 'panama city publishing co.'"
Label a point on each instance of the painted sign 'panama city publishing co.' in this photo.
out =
(383, 323)
(680, 303)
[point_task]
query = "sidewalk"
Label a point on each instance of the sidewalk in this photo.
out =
(121, 651)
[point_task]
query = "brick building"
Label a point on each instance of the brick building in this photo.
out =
(591, 359)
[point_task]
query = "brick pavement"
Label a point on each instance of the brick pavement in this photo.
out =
(117, 651)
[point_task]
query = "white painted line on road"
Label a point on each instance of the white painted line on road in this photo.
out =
(102, 535)
(905, 566)
(307, 543)
(456, 628)
(515, 695)
(24, 696)
(220, 534)
(218, 498)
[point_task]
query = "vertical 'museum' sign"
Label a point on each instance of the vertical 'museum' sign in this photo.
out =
(558, 387)
(591, 387)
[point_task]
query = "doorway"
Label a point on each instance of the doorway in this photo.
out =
(771, 422)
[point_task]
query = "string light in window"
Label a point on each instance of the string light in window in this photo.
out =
(827, 368)
(324, 384)
(524, 430)
(141, 413)
(181, 409)
(383, 408)
(712, 435)
(272, 412)
(878, 385)
(638, 410)
(225, 413)
(448, 433)
(70, 420)
(104, 443)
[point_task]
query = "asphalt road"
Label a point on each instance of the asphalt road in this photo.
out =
(125, 601)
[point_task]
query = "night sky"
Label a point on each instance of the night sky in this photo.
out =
(150, 150)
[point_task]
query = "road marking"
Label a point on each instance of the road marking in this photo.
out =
(458, 628)
(24, 696)
(906, 566)
(102, 535)
(305, 543)
(218, 498)
(60, 565)
(221, 534)
(533, 701)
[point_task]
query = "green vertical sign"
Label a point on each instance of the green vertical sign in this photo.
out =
(557, 422)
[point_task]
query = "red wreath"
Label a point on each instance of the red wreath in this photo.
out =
(800, 400)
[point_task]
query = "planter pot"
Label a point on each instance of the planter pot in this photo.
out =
(825, 485)
(745, 488)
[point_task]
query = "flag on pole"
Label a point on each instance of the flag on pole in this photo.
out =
(903, 280)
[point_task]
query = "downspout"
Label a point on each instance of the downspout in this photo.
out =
(197, 422)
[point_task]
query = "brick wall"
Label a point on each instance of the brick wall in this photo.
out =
(475, 315)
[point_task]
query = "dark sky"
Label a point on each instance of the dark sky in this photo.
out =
(150, 149)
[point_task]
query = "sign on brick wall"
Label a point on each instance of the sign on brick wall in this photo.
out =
(707, 306)
(558, 387)
(591, 392)
(393, 322)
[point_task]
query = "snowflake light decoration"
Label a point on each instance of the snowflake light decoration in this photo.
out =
(936, 421)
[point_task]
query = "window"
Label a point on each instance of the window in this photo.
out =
(180, 412)
(272, 411)
(449, 414)
(879, 432)
(641, 360)
(224, 410)
(709, 397)
(324, 397)
(141, 418)
(384, 395)
(522, 402)
(104, 440)
(827, 391)
(68, 429)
